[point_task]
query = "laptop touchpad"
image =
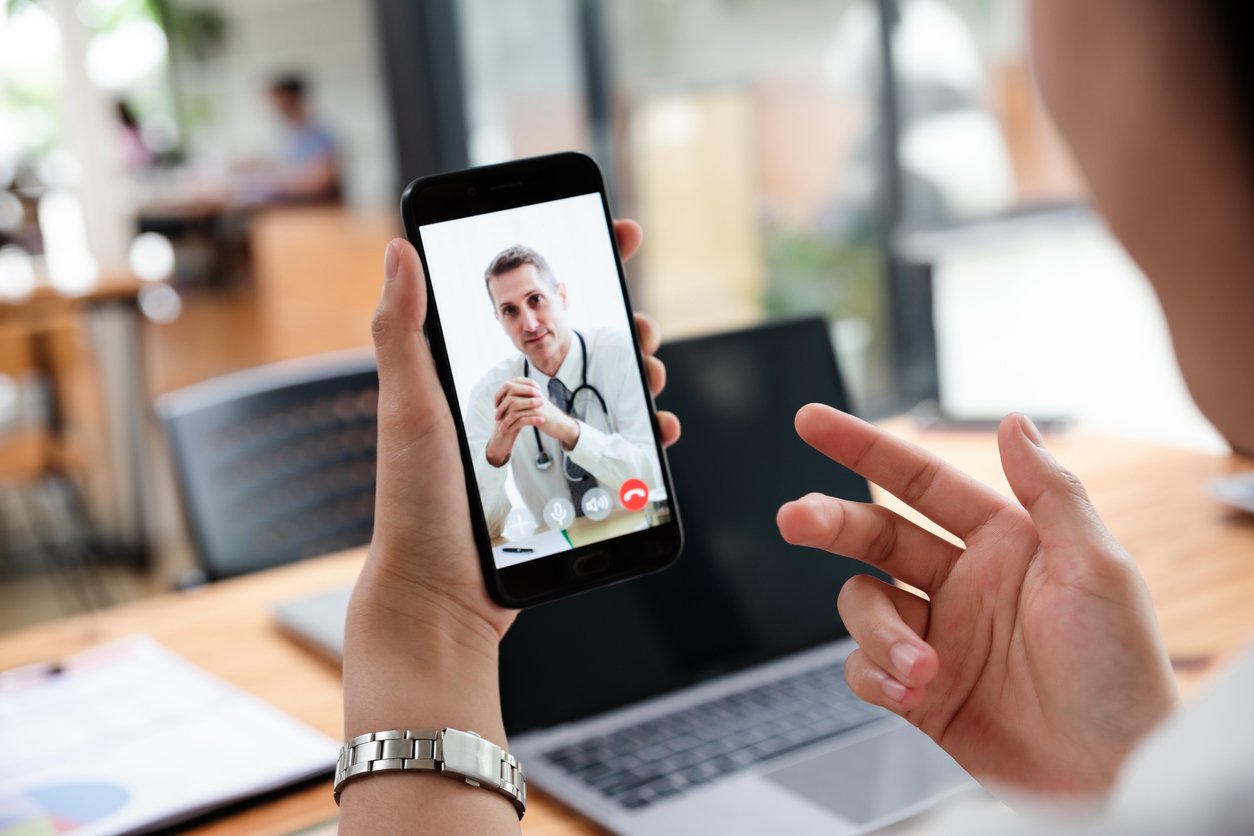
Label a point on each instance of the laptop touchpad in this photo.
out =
(876, 777)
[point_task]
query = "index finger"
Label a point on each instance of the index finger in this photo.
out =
(938, 490)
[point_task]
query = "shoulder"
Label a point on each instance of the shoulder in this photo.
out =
(611, 357)
(309, 141)
(321, 137)
(612, 339)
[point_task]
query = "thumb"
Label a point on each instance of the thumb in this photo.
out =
(410, 398)
(1055, 499)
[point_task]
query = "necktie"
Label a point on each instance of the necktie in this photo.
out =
(579, 480)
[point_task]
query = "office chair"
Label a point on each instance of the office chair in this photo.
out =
(277, 463)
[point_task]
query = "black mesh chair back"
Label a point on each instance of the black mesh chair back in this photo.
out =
(276, 463)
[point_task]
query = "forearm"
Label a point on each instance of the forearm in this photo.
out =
(613, 459)
(420, 670)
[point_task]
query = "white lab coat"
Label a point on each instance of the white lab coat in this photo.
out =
(611, 457)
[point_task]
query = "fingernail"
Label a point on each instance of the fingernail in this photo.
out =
(904, 655)
(392, 260)
(893, 689)
(1030, 430)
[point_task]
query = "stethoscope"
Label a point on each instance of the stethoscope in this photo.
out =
(544, 461)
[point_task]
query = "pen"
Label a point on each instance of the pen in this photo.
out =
(27, 675)
(515, 550)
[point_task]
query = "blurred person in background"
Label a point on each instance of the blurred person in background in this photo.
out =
(136, 155)
(1036, 659)
(306, 166)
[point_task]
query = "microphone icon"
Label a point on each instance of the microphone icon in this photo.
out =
(559, 513)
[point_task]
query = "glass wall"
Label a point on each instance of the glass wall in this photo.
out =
(747, 135)
(524, 83)
(744, 160)
(752, 166)
(974, 141)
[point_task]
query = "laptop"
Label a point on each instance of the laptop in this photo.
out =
(710, 698)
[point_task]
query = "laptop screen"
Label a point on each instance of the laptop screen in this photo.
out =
(739, 594)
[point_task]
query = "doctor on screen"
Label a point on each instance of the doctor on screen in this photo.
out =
(567, 413)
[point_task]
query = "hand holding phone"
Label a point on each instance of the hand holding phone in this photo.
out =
(531, 334)
(422, 634)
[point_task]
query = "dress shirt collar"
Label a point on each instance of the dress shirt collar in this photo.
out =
(571, 370)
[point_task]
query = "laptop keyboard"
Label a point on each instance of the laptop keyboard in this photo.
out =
(642, 764)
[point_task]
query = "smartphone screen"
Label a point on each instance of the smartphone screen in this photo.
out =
(546, 378)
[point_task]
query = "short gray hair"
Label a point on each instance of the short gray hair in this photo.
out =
(511, 258)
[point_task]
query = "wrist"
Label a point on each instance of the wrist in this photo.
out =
(418, 661)
(435, 682)
(437, 693)
(570, 434)
(495, 456)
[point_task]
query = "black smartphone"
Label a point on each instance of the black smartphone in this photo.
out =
(531, 328)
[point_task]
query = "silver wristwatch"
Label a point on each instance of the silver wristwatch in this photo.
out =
(458, 754)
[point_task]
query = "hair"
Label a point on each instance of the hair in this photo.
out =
(511, 258)
(290, 84)
(125, 115)
(1233, 28)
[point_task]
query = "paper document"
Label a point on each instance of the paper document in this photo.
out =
(545, 543)
(130, 735)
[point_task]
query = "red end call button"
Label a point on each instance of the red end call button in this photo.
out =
(634, 494)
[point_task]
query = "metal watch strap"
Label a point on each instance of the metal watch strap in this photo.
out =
(458, 754)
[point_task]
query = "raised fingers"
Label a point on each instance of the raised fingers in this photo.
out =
(873, 684)
(888, 623)
(923, 481)
(869, 533)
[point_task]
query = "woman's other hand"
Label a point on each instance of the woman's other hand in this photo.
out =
(1036, 659)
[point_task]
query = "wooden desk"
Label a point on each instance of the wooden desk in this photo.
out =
(584, 531)
(1198, 558)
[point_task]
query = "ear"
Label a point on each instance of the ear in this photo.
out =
(561, 293)
(496, 311)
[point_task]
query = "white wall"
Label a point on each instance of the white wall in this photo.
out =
(334, 45)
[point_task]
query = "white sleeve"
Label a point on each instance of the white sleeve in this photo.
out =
(480, 423)
(629, 453)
